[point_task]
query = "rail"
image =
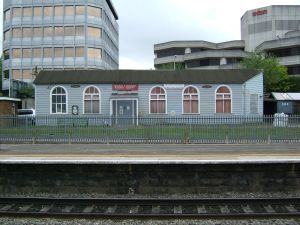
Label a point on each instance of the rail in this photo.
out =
(205, 208)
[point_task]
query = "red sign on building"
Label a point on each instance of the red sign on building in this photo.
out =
(260, 12)
(125, 87)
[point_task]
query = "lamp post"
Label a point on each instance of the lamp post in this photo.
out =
(174, 66)
(34, 73)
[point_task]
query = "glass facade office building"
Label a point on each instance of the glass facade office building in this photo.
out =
(57, 34)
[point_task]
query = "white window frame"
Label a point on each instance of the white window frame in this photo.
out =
(182, 97)
(231, 98)
(100, 102)
(166, 102)
(66, 101)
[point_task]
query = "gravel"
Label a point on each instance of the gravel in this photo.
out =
(47, 221)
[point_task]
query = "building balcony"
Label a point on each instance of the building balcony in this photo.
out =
(289, 60)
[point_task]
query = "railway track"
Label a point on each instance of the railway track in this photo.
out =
(185, 208)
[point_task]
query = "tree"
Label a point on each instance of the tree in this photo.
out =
(170, 66)
(26, 92)
(296, 82)
(276, 78)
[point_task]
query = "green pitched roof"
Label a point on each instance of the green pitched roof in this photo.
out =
(237, 76)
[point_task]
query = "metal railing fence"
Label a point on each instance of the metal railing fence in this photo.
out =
(151, 129)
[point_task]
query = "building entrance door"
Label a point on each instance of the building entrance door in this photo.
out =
(124, 112)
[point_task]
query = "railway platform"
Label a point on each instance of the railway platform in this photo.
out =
(149, 154)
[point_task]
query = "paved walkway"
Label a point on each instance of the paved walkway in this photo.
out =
(149, 154)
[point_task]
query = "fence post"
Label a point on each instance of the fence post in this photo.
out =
(186, 136)
(33, 140)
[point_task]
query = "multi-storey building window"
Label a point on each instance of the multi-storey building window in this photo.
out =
(94, 11)
(17, 74)
(95, 53)
(79, 31)
(16, 33)
(37, 32)
(58, 11)
(91, 100)
(223, 100)
(58, 52)
(48, 11)
(69, 31)
(16, 12)
(80, 10)
(7, 15)
(37, 11)
(59, 101)
(157, 100)
(69, 52)
(27, 32)
(190, 100)
(58, 31)
(27, 74)
(27, 12)
(37, 53)
(48, 31)
(6, 54)
(16, 53)
(79, 52)
(6, 74)
(69, 11)
(26, 53)
(47, 52)
(6, 35)
(94, 32)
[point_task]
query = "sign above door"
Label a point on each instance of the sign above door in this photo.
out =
(125, 87)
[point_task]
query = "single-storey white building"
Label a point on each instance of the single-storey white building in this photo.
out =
(149, 92)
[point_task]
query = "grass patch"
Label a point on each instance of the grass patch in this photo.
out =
(161, 132)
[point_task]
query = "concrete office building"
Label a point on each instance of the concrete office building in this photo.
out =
(286, 49)
(199, 54)
(268, 23)
(273, 29)
(60, 34)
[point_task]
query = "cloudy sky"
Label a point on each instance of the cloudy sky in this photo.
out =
(143, 23)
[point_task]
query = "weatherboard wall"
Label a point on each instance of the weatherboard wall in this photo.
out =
(240, 97)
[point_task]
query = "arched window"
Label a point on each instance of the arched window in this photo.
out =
(157, 100)
(58, 100)
(190, 100)
(91, 100)
(223, 100)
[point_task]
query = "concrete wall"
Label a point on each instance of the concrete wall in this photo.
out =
(153, 180)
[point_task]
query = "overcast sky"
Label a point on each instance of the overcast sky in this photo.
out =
(143, 23)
